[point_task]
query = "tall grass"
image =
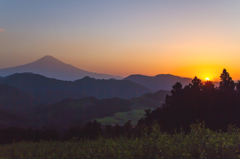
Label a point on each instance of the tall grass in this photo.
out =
(199, 143)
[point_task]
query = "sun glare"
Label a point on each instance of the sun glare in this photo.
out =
(207, 79)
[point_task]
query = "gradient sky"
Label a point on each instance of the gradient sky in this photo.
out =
(180, 37)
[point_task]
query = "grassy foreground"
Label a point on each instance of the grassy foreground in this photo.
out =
(199, 143)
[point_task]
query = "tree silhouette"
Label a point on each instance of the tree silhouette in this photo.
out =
(226, 83)
(196, 83)
(218, 107)
(208, 87)
(176, 88)
(238, 85)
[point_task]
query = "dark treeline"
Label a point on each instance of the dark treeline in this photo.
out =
(92, 130)
(11, 135)
(216, 106)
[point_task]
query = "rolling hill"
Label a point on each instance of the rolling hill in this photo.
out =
(138, 107)
(15, 107)
(23, 108)
(15, 101)
(53, 68)
(69, 112)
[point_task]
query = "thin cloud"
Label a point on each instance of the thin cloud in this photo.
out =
(1, 29)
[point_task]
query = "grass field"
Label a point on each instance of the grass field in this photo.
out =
(199, 143)
(137, 112)
(123, 117)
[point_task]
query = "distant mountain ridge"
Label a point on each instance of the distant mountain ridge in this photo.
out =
(158, 82)
(49, 90)
(53, 68)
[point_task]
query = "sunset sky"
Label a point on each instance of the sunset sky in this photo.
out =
(180, 37)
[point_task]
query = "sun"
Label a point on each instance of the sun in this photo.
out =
(207, 79)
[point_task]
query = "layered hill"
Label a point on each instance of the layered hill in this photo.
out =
(53, 68)
(15, 106)
(23, 108)
(138, 107)
(159, 82)
(49, 90)
(149, 100)
(157, 96)
(15, 101)
(69, 112)
(77, 111)
(10, 120)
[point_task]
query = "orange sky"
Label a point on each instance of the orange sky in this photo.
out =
(187, 38)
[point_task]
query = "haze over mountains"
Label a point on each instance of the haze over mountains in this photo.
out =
(158, 82)
(51, 67)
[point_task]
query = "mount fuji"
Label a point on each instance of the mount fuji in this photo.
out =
(51, 67)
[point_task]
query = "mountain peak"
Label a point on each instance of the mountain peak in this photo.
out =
(49, 66)
(48, 58)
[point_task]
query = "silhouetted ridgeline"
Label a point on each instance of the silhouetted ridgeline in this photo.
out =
(158, 96)
(159, 82)
(149, 100)
(48, 90)
(53, 68)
